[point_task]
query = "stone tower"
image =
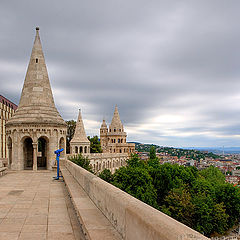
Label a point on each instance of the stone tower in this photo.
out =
(113, 140)
(80, 142)
(103, 136)
(36, 129)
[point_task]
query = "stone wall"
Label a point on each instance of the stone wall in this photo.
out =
(132, 218)
(7, 109)
(111, 161)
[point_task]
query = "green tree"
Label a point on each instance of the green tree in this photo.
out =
(137, 182)
(95, 145)
(153, 160)
(168, 176)
(152, 154)
(230, 196)
(81, 161)
(71, 125)
(106, 175)
(178, 205)
(220, 218)
(135, 161)
(203, 214)
(213, 175)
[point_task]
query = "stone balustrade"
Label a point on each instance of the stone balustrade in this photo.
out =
(132, 218)
(100, 161)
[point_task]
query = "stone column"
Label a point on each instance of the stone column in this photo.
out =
(9, 155)
(34, 156)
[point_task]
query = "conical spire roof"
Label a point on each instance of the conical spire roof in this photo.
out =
(36, 103)
(104, 125)
(116, 121)
(79, 134)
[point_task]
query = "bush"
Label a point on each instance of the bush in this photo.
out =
(81, 161)
(106, 175)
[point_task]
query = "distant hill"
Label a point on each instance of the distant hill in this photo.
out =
(218, 150)
(194, 154)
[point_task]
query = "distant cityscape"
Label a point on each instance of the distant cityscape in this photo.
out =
(201, 158)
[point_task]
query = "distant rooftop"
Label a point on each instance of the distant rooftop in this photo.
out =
(8, 102)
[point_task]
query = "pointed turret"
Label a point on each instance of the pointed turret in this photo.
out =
(36, 103)
(80, 142)
(79, 134)
(103, 135)
(104, 125)
(116, 121)
(36, 119)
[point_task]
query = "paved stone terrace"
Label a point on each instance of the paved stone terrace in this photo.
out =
(34, 206)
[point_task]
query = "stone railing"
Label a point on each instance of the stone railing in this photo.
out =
(132, 218)
(111, 161)
(4, 162)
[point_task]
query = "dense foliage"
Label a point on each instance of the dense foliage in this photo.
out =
(81, 161)
(200, 199)
(95, 145)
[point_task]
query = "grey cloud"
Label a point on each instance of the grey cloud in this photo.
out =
(149, 57)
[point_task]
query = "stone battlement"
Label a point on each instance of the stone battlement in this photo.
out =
(131, 218)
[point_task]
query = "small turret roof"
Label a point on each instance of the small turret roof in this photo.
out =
(79, 134)
(116, 121)
(104, 125)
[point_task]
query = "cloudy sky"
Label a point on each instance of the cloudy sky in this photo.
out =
(172, 67)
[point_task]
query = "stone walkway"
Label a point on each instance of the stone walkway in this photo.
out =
(33, 206)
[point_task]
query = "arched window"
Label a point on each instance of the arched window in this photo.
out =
(120, 150)
(76, 149)
(114, 129)
(81, 150)
(119, 140)
(85, 149)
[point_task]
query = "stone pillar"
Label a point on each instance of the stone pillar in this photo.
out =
(34, 156)
(9, 155)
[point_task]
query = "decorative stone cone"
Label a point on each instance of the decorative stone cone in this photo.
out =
(80, 134)
(116, 121)
(36, 103)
